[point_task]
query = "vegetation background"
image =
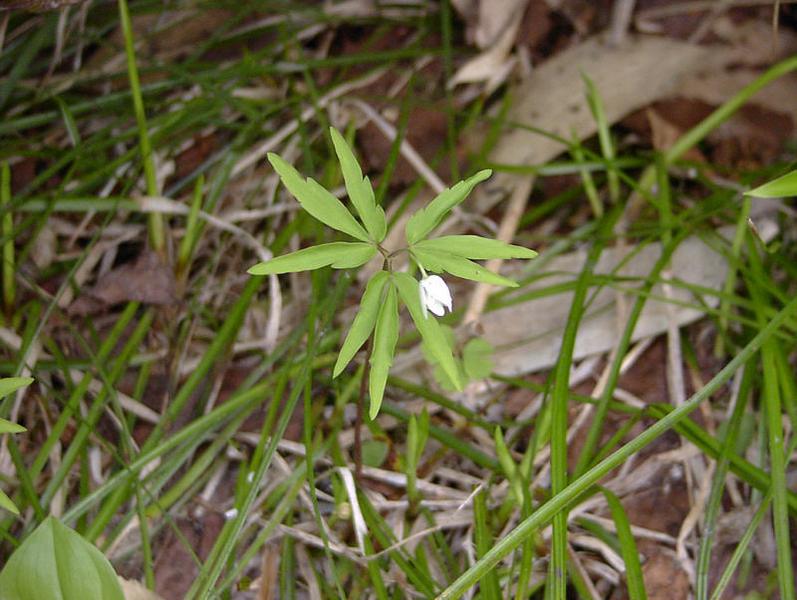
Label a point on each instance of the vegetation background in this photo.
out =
(628, 428)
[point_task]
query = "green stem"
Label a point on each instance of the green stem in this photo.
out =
(155, 220)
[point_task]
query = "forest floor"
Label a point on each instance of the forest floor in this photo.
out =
(184, 416)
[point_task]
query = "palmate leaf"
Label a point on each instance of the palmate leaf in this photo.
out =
(363, 323)
(316, 200)
(440, 262)
(475, 247)
(55, 562)
(359, 189)
(428, 327)
(426, 219)
(339, 255)
(777, 188)
(385, 338)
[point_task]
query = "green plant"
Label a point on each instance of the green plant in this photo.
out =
(8, 386)
(379, 306)
(56, 562)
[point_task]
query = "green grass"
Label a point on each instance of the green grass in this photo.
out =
(479, 487)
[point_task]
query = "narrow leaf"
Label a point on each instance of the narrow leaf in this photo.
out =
(777, 188)
(426, 219)
(385, 338)
(359, 188)
(9, 427)
(440, 262)
(5, 502)
(56, 562)
(363, 323)
(12, 384)
(340, 255)
(633, 570)
(428, 327)
(475, 247)
(316, 200)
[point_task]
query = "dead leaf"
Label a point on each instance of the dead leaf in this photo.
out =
(664, 577)
(665, 134)
(145, 280)
(174, 567)
(134, 590)
(496, 31)
(552, 98)
(527, 335)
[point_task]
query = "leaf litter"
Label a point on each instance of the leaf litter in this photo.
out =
(550, 97)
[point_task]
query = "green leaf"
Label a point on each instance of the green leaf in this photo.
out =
(359, 189)
(12, 384)
(428, 327)
(475, 247)
(374, 453)
(340, 255)
(5, 502)
(439, 262)
(477, 358)
(385, 338)
(426, 219)
(363, 323)
(316, 200)
(777, 188)
(55, 562)
(633, 570)
(9, 427)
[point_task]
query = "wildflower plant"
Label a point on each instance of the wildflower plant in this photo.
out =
(378, 314)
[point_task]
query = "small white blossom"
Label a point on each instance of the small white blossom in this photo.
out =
(435, 295)
(230, 514)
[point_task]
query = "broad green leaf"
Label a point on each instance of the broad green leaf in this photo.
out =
(316, 200)
(340, 255)
(426, 219)
(9, 427)
(439, 262)
(363, 323)
(777, 188)
(359, 188)
(477, 358)
(385, 338)
(428, 327)
(55, 562)
(475, 247)
(12, 384)
(5, 502)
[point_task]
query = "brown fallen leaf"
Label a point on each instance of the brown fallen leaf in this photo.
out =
(147, 280)
(134, 590)
(665, 579)
(665, 134)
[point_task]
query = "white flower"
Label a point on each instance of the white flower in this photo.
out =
(435, 295)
